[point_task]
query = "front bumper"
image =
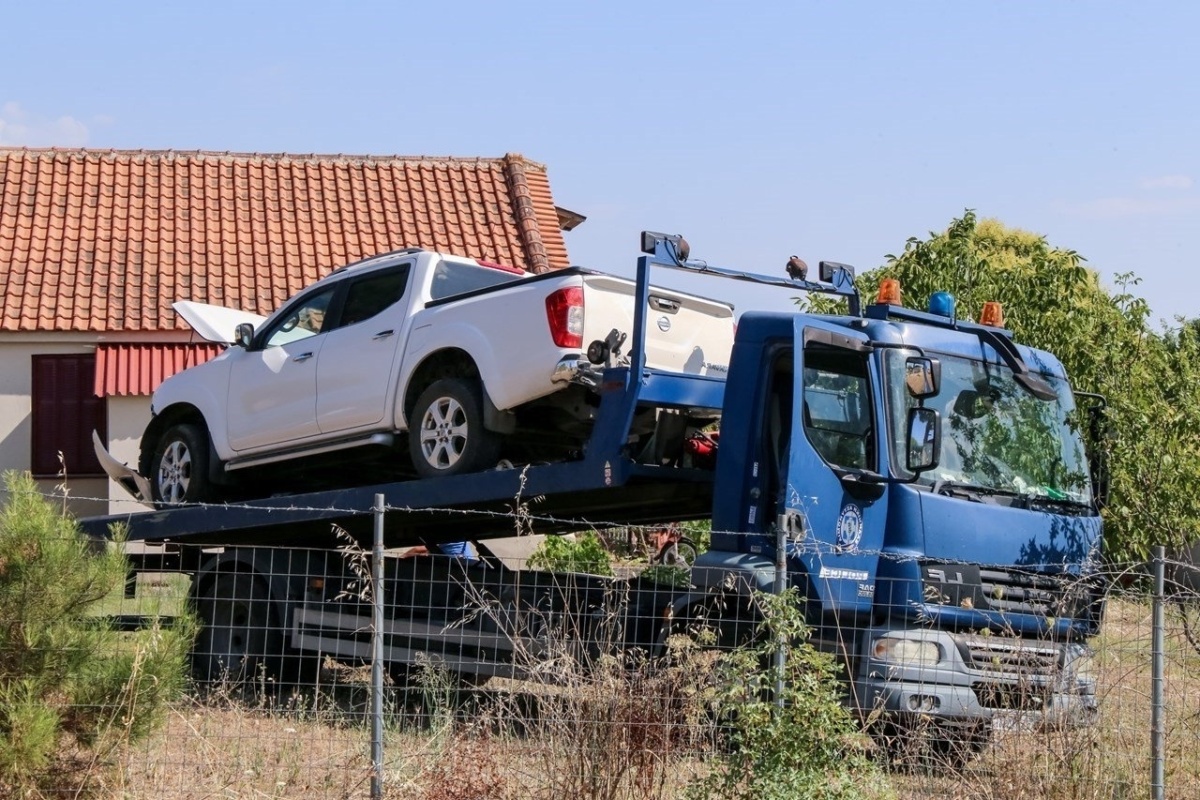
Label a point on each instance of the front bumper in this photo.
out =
(1018, 683)
(121, 474)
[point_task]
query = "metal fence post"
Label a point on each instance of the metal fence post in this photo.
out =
(377, 654)
(1157, 673)
(781, 578)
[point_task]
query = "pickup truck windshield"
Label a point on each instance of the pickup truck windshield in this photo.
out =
(996, 436)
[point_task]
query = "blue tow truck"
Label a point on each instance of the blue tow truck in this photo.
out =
(922, 481)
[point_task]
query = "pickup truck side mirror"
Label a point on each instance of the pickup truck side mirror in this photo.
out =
(243, 335)
(924, 439)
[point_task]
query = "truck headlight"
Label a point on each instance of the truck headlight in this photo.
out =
(911, 652)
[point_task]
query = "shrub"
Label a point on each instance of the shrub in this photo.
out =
(807, 746)
(69, 682)
(584, 554)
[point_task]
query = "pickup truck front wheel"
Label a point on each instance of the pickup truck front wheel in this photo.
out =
(180, 467)
(446, 434)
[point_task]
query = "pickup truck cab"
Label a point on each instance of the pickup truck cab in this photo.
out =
(474, 361)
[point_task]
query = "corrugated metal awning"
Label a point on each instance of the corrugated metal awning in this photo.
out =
(138, 369)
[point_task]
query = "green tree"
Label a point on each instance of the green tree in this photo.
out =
(73, 690)
(1109, 346)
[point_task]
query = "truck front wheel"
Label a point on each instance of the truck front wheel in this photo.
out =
(446, 434)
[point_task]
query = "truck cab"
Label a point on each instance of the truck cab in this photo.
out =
(930, 485)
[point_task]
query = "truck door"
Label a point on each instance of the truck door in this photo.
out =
(272, 395)
(356, 368)
(834, 490)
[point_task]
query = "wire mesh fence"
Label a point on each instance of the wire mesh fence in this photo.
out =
(352, 672)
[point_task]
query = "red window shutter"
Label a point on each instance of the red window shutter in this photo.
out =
(65, 412)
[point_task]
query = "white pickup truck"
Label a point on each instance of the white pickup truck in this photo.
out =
(475, 361)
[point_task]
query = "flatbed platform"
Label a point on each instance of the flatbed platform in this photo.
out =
(556, 498)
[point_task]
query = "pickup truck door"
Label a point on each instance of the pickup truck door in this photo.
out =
(835, 498)
(357, 363)
(272, 394)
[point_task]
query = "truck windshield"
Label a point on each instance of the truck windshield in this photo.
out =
(996, 436)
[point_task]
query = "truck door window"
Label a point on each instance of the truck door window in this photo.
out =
(371, 294)
(837, 407)
(305, 318)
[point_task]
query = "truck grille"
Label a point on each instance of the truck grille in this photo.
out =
(1008, 591)
(1011, 658)
(1021, 592)
(1019, 675)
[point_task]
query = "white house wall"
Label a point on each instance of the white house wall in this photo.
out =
(86, 496)
(127, 418)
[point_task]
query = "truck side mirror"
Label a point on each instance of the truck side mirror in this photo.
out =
(924, 439)
(1098, 452)
(243, 335)
(922, 376)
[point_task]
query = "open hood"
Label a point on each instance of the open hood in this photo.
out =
(214, 323)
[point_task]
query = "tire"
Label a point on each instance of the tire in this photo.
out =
(446, 434)
(241, 640)
(918, 744)
(179, 470)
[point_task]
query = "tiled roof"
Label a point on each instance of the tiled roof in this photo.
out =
(136, 369)
(102, 240)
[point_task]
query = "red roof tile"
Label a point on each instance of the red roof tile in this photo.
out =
(100, 240)
(137, 369)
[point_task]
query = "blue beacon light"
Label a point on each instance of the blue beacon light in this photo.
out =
(942, 303)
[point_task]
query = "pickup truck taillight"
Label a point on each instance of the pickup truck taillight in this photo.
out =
(564, 312)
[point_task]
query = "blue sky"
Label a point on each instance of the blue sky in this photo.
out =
(828, 130)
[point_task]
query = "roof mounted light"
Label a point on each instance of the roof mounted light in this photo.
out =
(828, 269)
(889, 292)
(993, 314)
(675, 245)
(942, 303)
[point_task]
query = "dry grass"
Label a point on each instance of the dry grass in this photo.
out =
(230, 752)
(226, 750)
(607, 738)
(1110, 759)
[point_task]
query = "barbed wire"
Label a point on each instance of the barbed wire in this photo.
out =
(523, 520)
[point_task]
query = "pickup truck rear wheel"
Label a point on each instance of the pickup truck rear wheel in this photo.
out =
(446, 434)
(180, 467)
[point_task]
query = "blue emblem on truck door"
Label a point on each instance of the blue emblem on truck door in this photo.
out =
(849, 527)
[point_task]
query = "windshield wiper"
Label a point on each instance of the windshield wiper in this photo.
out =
(977, 494)
(1066, 504)
(971, 491)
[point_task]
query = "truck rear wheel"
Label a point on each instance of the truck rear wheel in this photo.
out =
(242, 641)
(446, 434)
(179, 471)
